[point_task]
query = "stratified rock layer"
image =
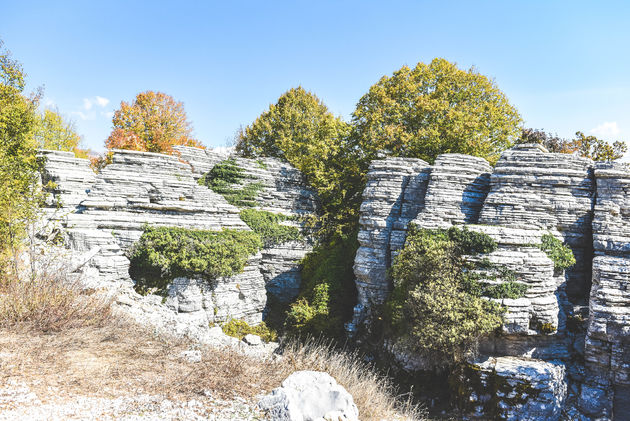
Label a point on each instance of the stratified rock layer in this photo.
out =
(533, 189)
(381, 210)
(104, 215)
(606, 390)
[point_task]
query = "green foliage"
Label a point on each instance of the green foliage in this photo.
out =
(328, 290)
(239, 328)
(561, 255)
(164, 253)
(510, 289)
(222, 179)
(299, 129)
(267, 225)
(432, 109)
(56, 133)
(435, 308)
(587, 146)
(20, 195)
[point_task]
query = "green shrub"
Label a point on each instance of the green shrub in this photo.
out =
(328, 292)
(510, 289)
(239, 328)
(436, 308)
(223, 179)
(267, 225)
(165, 253)
(561, 254)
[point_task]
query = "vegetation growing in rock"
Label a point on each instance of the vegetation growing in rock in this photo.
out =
(164, 253)
(268, 226)
(224, 176)
(328, 290)
(436, 309)
(239, 328)
(561, 254)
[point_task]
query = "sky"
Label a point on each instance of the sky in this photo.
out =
(565, 65)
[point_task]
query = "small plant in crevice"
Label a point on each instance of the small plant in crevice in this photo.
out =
(164, 253)
(268, 226)
(561, 254)
(229, 180)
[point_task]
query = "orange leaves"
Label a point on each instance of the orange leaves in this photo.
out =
(154, 122)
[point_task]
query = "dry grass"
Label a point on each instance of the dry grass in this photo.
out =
(54, 335)
(50, 302)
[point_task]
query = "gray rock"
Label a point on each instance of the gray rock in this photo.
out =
(309, 396)
(253, 340)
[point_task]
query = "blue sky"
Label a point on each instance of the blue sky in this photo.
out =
(564, 64)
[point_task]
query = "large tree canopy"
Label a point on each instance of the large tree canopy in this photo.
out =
(433, 109)
(300, 129)
(154, 122)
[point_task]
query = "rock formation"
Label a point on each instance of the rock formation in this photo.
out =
(104, 214)
(528, 194)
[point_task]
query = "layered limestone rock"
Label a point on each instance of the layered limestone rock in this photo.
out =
(606, 390)
(283, 190)
(381, 209)
(200, 160)
(457, 187)
(509, 388)
(533, 189)
(530, 193)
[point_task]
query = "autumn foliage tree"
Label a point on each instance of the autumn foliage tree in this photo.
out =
(154, 122)
(586, 146)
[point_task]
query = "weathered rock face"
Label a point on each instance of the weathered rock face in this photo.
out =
(283, 191)
(381, 211)
(529, 193)
(606, 390)
(105, 214)
(509, 388)
(534, 189)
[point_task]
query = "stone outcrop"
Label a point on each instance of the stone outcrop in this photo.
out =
(529, 193)
(606, 389)
(381, 211)
(534, 189)
(509, 388)
(104, 214)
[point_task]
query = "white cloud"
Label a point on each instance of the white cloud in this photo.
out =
(607, 128)
(87, 103)
(49, 103)
(84, 116)
(102, 102)
(108, 114)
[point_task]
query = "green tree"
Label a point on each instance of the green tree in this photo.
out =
(300, 129)
(18, 162)
(434, 109)
(54, 132)
(154, 122)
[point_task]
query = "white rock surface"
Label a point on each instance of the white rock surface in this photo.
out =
(309, 396)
